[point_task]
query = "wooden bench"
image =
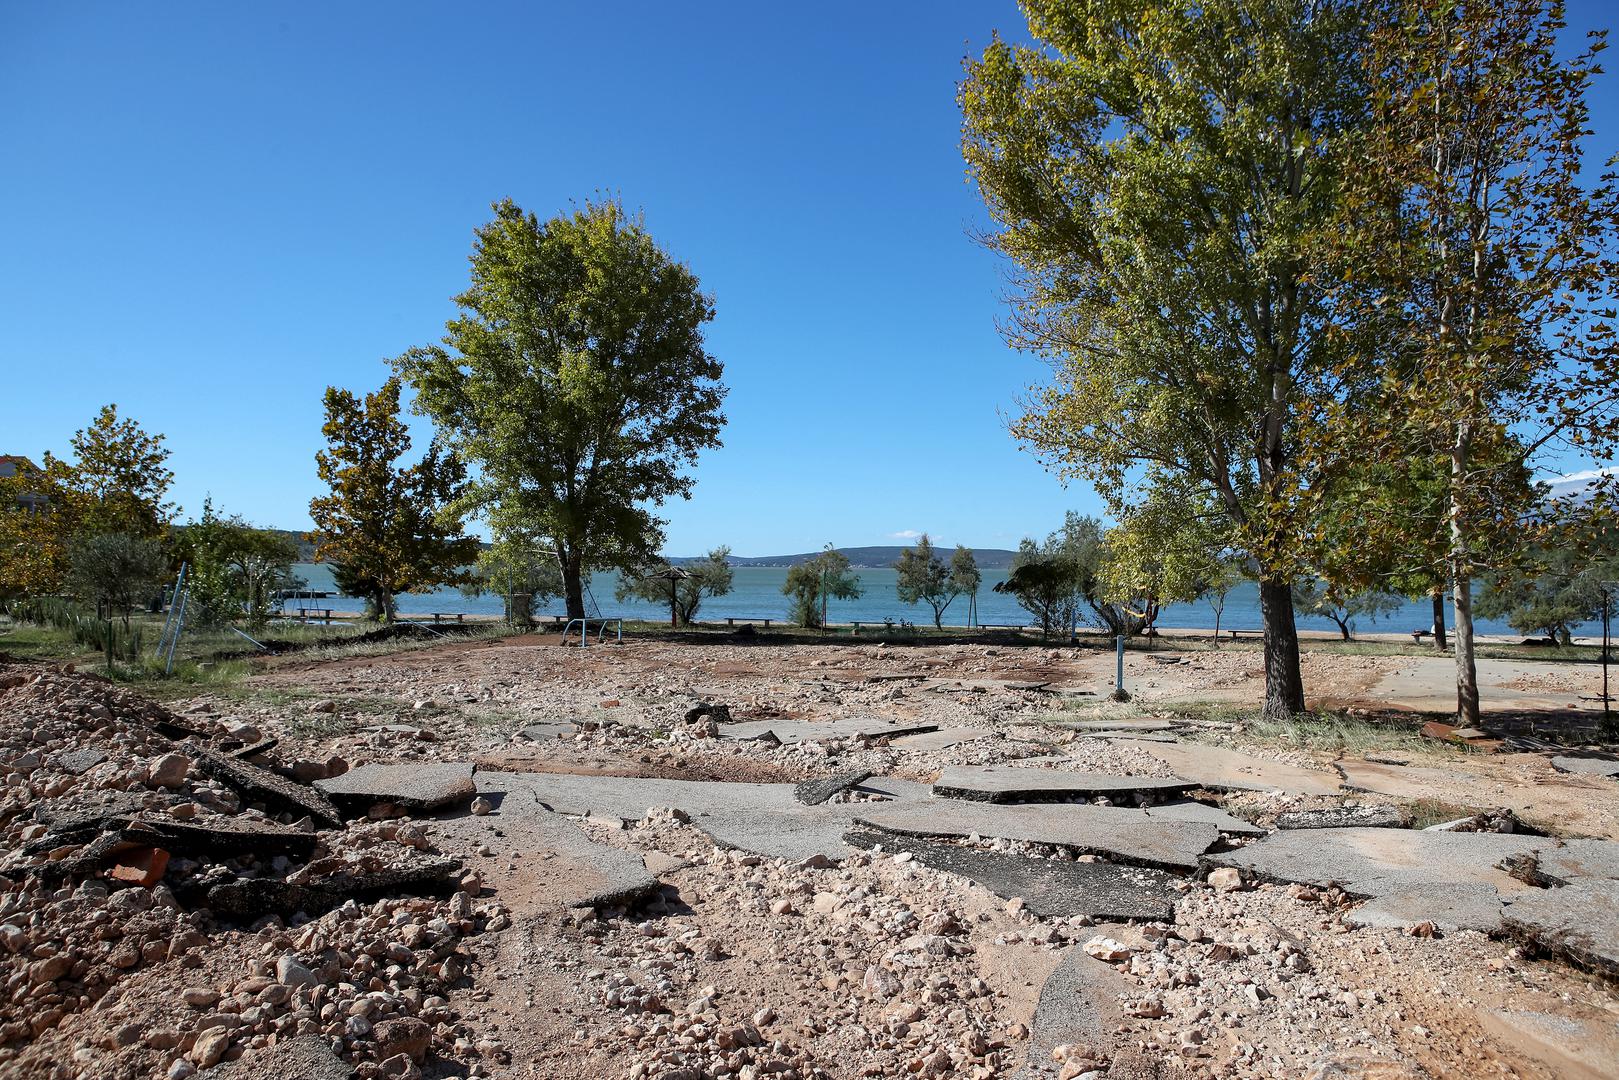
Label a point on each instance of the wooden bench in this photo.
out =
(1247, 633)
(458, 616)
(307, 613)
(732, 620)
(888, 624)
(1418, 635)
(1000, 626)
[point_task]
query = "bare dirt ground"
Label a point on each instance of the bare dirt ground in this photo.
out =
(722, 929)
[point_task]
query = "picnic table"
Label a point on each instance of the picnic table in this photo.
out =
(307, 613)
(1249, 633)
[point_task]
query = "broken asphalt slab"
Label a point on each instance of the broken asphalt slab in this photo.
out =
(1220, 768)
(409, 785)
(1078, 1006)
(1578, 922)
(766, 819)
(816, 792)
(250, 898)
(547, 856)
(801, 731)
(1449, 878)
(261, 785)
(1344, 817)
(1050, 888)
(1587, 764)
(1123, 835)
(1010, 784)
(1561, 863)
(1191, 810)
(943, 739)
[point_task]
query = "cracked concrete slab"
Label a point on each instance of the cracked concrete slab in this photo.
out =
(1050, 888)
(1574, 1049)
(1578, 922)
(1121, 834)
(798, 731)
(1010, 784)
(251, 898)
(1220, 768)
(1123, 723)
(1420, 876)
(412, 785)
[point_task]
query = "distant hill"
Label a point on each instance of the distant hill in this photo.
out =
(868, 557)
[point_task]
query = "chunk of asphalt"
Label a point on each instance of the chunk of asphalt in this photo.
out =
(1577, 922)
(816, 792)
(222, 836)
(413, 786)
(78, 762)
(1466, 906)
(263, 746)
(261, 785)
(1048, 887)
(802, 731)
(1344, 817)
(943, 739)
(1120, 834)
(1192, 810)
(1566, 862)
(1009, 784)
(249, 898)
(1587, 764)
(1078, 1006)
(303, 1057)
(1419, 873)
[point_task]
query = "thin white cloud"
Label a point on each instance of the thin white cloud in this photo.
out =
(904, 534)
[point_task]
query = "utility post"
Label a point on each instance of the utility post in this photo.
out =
(1119, 693)
(1606, 590)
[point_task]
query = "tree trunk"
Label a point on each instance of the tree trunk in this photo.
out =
(1217, 612)
(1461, 578)
(1439, 621)
(573, 584)
(1284, 686)
(1343, 627)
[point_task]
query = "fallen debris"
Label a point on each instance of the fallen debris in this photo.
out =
(816, 792)
(1050, 888)
(413, 786)
(1010, 784)
(261, 785)
(1344, 817)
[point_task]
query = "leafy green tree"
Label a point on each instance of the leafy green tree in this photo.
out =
(1172, 548)
(388, 528)
(513, 567)
(576, 380)
(116, 571)
(38, 518)
(1479, 269)
(120, 471)
(1343, 608)
(1060, 583)
(709, 576)
(1562, 583)
(923, 577)
(965, 576)
(812, 582)
(1159, 176)
(116, 482)
(236, 569)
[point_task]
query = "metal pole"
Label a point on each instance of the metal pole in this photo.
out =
(1607, 701)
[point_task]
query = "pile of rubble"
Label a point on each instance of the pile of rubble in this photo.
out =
(137, 842)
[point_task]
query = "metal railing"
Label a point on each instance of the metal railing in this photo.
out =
(601, 632)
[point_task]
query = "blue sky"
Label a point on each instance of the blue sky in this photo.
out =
(212, 212)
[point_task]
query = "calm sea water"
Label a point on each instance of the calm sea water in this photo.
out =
(756, 593)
